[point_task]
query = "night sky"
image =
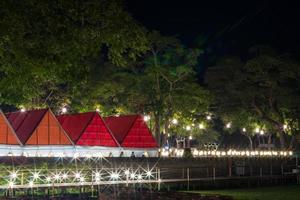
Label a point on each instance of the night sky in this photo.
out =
(225, 27)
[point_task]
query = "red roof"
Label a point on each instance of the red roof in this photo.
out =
(87, 129)
(24, 123)
(131, 131)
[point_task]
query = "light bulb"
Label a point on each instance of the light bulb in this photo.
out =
(174, 121)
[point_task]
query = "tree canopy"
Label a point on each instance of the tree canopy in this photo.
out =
(49, 45)
(261, 92)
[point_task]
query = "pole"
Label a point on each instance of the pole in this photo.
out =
(158, 176)
(188, 178)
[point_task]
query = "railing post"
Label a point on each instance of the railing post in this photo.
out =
(229, 167)
(158, 176)
(214, 173)
(188, 178)
(260, 171)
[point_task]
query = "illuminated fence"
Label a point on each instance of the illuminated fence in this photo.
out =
(39, 178)
(30, 176)
(174, 152)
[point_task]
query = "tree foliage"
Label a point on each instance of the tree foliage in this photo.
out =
(264, 89)
(49, 45)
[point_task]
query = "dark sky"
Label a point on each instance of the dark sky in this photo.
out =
(225, 26)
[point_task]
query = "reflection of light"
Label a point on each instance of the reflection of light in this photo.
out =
(76, 155)
(35, 175)
(30, 183)
(132, 176)
(56, 176)
(65, 176)
(114, 175)
(77, 175)
(11, 183)
(13, 175)
(97, 174)
(81, 179)
(149, 173)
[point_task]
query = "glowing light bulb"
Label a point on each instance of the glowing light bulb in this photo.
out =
(126, 172)
(139, 177)
(257, 130)
(285, 126)
(64, 110)
(228, 125)
(244, 130)
(208, 117)
(48, 179)
(97, 110)
(174, 121)
(190, 137)
(146, 118)
(201, 126)
(261, 132)
(23, 110)
(188, 128)
(81, 179)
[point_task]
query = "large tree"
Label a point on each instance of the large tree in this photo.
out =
(265, 87)
(47, 48)
(163, 84)
(166, 83)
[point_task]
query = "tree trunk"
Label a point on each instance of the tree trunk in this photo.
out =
(166, 127)
(157, 129)
(292, 142)
(281, 139)
(250, 143)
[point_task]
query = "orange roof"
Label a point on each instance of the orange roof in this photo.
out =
(38, 127)
(7, 134)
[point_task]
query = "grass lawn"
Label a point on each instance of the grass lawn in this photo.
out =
(263, 193)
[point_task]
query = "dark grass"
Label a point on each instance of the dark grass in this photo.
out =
(263, 193)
